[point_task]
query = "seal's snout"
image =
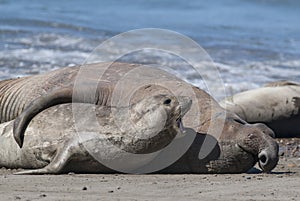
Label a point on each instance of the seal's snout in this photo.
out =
(263, 160)
(267, 160)
(185, 104)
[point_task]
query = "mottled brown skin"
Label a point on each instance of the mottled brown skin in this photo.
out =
(241, 145)
(277, 105)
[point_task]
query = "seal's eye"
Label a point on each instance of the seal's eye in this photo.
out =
(167, 102)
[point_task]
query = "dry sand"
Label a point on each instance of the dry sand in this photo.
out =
(282, 184)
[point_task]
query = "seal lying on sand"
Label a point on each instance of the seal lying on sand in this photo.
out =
(55, 144)
(213, 120)
(277, 104)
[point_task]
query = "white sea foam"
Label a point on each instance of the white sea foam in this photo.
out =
(42, 52)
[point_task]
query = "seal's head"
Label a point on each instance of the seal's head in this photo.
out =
(258, 140)
(254, 139)
(155, 121)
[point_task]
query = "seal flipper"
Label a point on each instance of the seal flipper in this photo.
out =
(60, 160)
(85, 94)
(22, 121)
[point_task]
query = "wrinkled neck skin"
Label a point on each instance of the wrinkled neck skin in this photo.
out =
(16, 94)
(11, 103)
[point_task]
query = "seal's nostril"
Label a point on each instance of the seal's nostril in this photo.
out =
(263, 159)
(267, 160)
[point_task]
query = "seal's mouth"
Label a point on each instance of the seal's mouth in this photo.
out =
(184, 106)
(180, 127)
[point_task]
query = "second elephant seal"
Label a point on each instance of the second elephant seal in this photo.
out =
(277, 104)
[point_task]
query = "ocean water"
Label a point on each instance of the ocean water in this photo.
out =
(251, 42)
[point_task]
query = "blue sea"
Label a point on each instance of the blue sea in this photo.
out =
(250, 41)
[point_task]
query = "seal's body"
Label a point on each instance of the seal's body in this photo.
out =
(59, 143)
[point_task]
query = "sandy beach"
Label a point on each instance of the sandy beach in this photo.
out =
(282, 184)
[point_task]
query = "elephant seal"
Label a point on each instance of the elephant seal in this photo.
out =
(226, 127)
(57, 145)
(277, 105)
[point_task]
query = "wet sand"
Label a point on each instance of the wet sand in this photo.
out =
(282, 184)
